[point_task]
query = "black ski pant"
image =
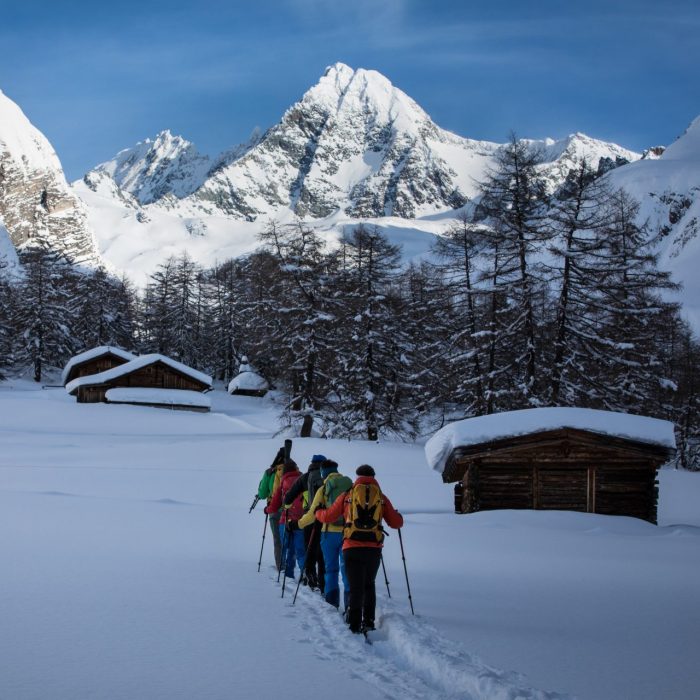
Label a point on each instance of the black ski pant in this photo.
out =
(315, 568)
(361, 567)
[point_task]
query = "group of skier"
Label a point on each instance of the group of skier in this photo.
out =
(330, 528)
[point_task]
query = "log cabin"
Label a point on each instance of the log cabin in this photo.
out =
(147, 371)
(94, 361)
(555, 459)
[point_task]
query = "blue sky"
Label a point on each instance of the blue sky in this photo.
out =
(97, 77)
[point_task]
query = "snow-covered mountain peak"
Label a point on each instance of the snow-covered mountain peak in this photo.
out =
(391, 105)
(21, 141)
(327, 93)
(152, 169)
(687, 146)
(578, 146)
(344, 93)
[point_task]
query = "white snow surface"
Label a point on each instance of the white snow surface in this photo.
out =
(133, 365)
(498, 426)
(163, 397)
(91, 355)
(687, 147)
(130, 571)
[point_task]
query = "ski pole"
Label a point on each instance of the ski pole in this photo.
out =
(263, 541)
(283, 555)
(386, 580)
(255, 503)
(286, 562)
(408, 587)
(306, 558)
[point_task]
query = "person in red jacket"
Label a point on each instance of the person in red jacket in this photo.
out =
(293, 548)
(364, 508)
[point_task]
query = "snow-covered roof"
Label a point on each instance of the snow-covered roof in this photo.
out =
(132, 366)
(247, 381)
(93, 354)
(162, 397)
(499, 426)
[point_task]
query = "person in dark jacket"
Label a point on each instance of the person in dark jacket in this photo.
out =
(307, 485)
(362, 542)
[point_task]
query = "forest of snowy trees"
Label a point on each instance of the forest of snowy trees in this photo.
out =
(533, 299)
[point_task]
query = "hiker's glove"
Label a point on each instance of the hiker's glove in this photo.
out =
(292, 526)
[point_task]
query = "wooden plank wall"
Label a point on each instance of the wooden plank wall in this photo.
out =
(586, 477)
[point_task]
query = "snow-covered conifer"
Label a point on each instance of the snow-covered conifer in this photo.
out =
(307, 316)
(43, 314)
(512, 205)
(372, 383)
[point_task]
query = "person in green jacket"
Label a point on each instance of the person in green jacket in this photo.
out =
(270, 481)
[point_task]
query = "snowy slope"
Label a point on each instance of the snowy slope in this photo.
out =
(132, 573)
(36, 202)
(668, 188)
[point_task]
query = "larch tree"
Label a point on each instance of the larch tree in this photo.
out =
(513, 197)
(44, 314)
(373, 378)
(579, 213)
(465, 343)
(630, 312)
(303, 268)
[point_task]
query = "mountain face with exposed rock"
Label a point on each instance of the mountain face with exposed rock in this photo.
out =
(36, 203)
(667, 184)
(354, 144)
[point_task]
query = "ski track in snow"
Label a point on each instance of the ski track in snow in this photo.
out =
(407, 659)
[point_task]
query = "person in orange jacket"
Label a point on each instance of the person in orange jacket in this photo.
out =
(363, 508)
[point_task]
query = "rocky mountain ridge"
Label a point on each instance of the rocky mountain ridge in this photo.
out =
(36, 203)
(354, 144)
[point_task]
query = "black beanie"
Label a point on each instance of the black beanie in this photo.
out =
(365, 470)
(291, 466)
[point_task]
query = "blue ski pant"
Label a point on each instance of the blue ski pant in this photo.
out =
(294, 550)
(332, 548)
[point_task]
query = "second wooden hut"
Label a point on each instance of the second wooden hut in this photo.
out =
(555, 459)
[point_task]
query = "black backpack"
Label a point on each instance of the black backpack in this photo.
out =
(313, 484)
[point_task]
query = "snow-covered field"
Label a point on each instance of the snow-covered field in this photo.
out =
(129, 572)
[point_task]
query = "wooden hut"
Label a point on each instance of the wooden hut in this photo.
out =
(94, 361)
(247, 382)
(147, 371)
(555, 459)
